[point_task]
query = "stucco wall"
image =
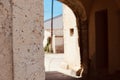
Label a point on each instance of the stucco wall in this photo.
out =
(6, 53)
(113, 31)
(21, 39)
(71, 49)
(28, 40)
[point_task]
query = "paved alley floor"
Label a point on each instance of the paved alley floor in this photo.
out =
(58, 76)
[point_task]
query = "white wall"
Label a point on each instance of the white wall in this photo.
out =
(113, 32)
(71, 48)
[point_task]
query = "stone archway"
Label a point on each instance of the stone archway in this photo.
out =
(82, 26)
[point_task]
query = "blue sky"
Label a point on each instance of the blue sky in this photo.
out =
(47, 8)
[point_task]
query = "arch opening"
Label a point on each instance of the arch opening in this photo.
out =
(79, 13)
(82, 26)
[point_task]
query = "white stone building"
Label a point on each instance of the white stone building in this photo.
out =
(71, 46)
(57, 31)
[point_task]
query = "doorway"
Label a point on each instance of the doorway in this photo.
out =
(101, 23)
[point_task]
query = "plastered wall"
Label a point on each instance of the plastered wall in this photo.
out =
(6, 52)
(21, 40)
(28, 40)
(71, 48)
(113, 32)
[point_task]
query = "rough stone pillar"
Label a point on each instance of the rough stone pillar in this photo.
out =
(21, 40)
(28, 40)
(6, 50)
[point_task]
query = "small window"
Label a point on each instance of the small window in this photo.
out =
(71, 32)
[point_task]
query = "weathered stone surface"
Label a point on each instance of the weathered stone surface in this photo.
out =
(5, 40)
(28, 40)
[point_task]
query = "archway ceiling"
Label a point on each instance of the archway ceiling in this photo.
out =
(79, 7)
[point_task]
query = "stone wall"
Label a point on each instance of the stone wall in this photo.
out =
(21, 39)
(113, 33)
(28, 39)
(6, 52)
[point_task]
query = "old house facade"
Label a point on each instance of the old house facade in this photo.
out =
(21, 37)
(58, 45)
